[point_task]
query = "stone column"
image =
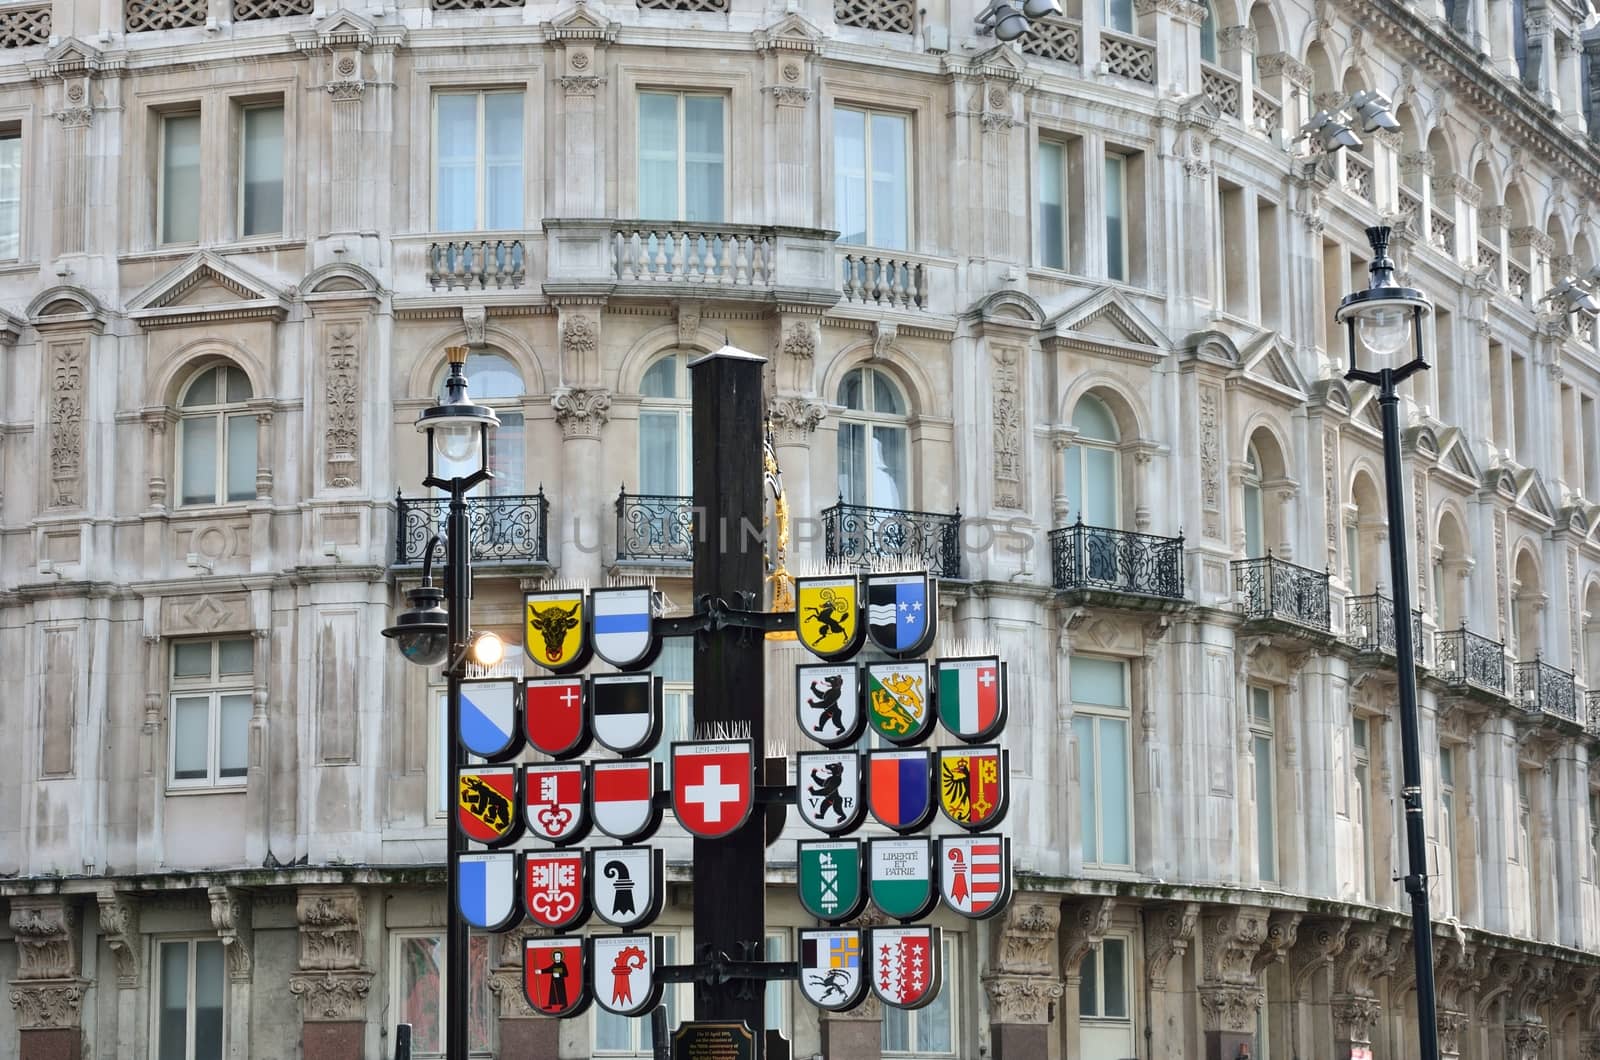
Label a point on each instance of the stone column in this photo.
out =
(1369, 953)
(231, 917)
(523, 1032)
(1230, 994)
(331, 982)
(1083, 927)
(119, 926)
(48, 991)
(1168, 930)
(1569, 77)
(1023, 983)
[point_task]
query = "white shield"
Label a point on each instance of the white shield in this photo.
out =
(621, 625)
(624, 973)
(828, 703)
(828, 787)
(831, 964)
(627, 884)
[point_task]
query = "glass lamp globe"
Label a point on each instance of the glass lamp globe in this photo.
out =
(457, 442)
(1384, 330)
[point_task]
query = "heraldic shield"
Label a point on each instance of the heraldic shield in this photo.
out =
(623, 633)
(626, 711)
(553, 801)
(971, 694)
(829, 874)
(627, 884)
(829, 610)
(900, 877)
(555, 976)
(713, 786)
(556, 630)
(486, 890)
(829, 790)
(902, 612)
(554, 716)
(828, 703)
(900, 788)
(486, 805)
(553, 891)
(490, 725)
(622, 798)
(832, 968)
(974, 787)
(904, 965)
(898, 707)
(625, 972)
(975, 874)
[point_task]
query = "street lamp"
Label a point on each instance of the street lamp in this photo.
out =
(437, 629)
(1382, 322)
(1007, 23)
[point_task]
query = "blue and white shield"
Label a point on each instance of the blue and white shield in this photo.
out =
(489, 722)
(902, 612)
(621, 630)
(487, 894)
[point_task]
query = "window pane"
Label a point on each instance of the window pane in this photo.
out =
(233, 756)
(1116, 236)
(455, 179)
(1113, 792)
(236, 656)
(886, 396)
(242, 457)
(890, 227)
(703, 154)
(1088, 802)
(851, 390)
(933, 1023)
(1113, 958)
(263, 171)
(853, 463)
(612, 1033)
(1074, 484)
(10, 196)
(1261, 706)
(1447, 767)
(1088, 986)
(174, 1030)
(489, 375)
(658, 155)
(507, 454)
(1254, 534)
(203, 390)
(208, 981)
(1100, 487)
(888, 467)
(661, 381)
(419, 975)
(191, 732)
(502, 159)
(1052, 205)
(180, 179)
(1098, 682)
(237, 383)
(198, 447)
(896, 1030)
(777, 989)
(850, 175)
(191, 658)
(658, 453)
(1119, 15)
(1266, 830)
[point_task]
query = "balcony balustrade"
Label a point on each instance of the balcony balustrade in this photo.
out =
(1369, 626)
(1116, 565)
(1127, 56)
(1591, 716)
(1280, 593)
(861, 536)
(500, 529)
(476, 264)
(1268, 113)
(1443, 235)
(1222, 88)
(654, 528)
(1543, 689)
(1466, 661)
(1060, 39)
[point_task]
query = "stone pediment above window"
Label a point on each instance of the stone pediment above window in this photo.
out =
(341, 282)
(1455, 456)
(1107, 324)
(1574, 520)
(1012, 310)
(792, 32)
(579, 23)
(346, 29)
(1268, 367)
(1421, 442)
(66, 307)
(206, 288)
(1533, 495)
(1331, 395)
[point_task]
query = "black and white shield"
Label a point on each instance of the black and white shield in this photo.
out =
(828, 703)
(627, 884)
(831, 968)
(829, 794)
(626, 711)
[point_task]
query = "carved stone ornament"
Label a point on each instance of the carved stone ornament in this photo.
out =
(1229, 1007)
(46, 933)
(581, 87)
(342, 399)
(1182, 10)
(1025, 940)
(581, 411)
(506, 985)
(1526, 1041)
(1021, 998)
(330, 928)
(790, 95)
(230, 915)
(346, 91)
(1231, 938)
(1283, 927)
(793, 419)
(66, 422)
(801, 342)
(475, 322)
(119, 924)
(1210, 463)
(46, 1005)
(1451, 1024)
(1354, 1017)
(1007, 411)
(75, 117)
(579, 337)
(331, 996)
(883, 336)
(689, 314)
(1083, 927)
(1168, 929)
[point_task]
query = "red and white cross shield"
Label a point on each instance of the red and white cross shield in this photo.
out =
(552, 801)
(553, 891)
(713, 786)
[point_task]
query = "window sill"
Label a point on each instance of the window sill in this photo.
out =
(239, 789)
(250, 245)
(202, 511)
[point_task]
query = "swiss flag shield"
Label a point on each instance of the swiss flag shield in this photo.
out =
(713, 786)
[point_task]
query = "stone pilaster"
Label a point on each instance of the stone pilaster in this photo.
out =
(332, 982)
(48, 991)
(581, 411)
(1023, 984)
(582, 37)
(1229, 991)
(1168, 931)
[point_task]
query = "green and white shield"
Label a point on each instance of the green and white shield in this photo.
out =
(900, 876)
(830, 878)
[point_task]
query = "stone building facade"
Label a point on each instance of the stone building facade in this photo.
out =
(1058, 314)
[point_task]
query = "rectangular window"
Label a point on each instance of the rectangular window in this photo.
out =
(1100, 726)
(1103, 982)
(418, 972)
(929, 1031)
(622, 1036)
(189, 1024)
(477, 176)
(1052, 204)
(1233, 287)
(1594, 835)
(871, 180)
(1360, 817)
(261, 171)
(1591, 449)
(10, 195)
(1119, 15)
(212, 692)
(682, 168)
(1447, 828)
(1266, 787)
(1524, 851)
(1116, 206)
(1269, 267)
(180, 178)
(1521, 419)
(777, 999)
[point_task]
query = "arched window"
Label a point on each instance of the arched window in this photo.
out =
(1591, 640)
(1208, 34)
(217, 438)
(1093, 478)
(1451, 562)
(874, 441)
(1366, 535)
(1527, 609)
(1255, 515)
(494, 380)
(664, 423)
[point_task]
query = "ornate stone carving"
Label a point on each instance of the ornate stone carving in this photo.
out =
(230, 915)
(1241, 38)
(342, 397)
(1282, 929)
(1210, 463)
(330, 928)
(475, 322)
(1330, 495)
(346, 91)
(1282, 64)
(47, 1005)
(801, 341)
(579, 339)
(1024, 942)
(1083, 926)
(1231, 937)
(331, 996)
(46, 933)
(793, 419)
(75, 117)
(1451, 1024)
(66, 423)
(883, 336)
(1230, 1007)
(1500, 589)
(1354, 1017)
(1526, 1041)
(1021, 998)
(1009, 491)
(689, 313)
(119, 923)
(790, 95)
(581, 411)
(1168, 930)
(582, 86)
(1367, 955)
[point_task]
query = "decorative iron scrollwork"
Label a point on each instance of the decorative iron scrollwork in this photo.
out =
(653, 527)
(1276, 590)
(1117, 561)
(507, 529)
(859, 535)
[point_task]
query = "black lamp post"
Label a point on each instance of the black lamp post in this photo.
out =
(429, 634)
(1383, 321)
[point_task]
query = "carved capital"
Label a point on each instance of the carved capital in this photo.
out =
(581, 411)
(331, 996)
(1021, 998)
(119, 923)
(46, 932)
(346, 91)
(1229, 1007)
(581, 87)
(330, 928)
(45, 1004)
(1526, 1041)
(790, 95)
(474, 321)
(506, 985)
(1237, 38)
(75, 117)
(1025, 938)
(1354, 1017)
(1451, 1024)
(1168, 929)
(1282, 64)
(1231, 937)
(1181, 10)
(230, 915)
(793, 419)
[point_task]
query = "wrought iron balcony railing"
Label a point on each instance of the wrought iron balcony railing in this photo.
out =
(1097, 559)
(859, 535)
(654, 528)
(504, 529)
(1591, 722)
(1543, 689)
(1275, 590)
(1369, 626)
(1464, 660)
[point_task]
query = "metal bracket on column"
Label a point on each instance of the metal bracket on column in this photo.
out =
(713, 614)
(717, 968)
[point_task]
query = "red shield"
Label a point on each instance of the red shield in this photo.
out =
(553, 801)
(554, 716)
(904, 963)
(553, 976)
(553, 892)
(713, 785)
(486, 800)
